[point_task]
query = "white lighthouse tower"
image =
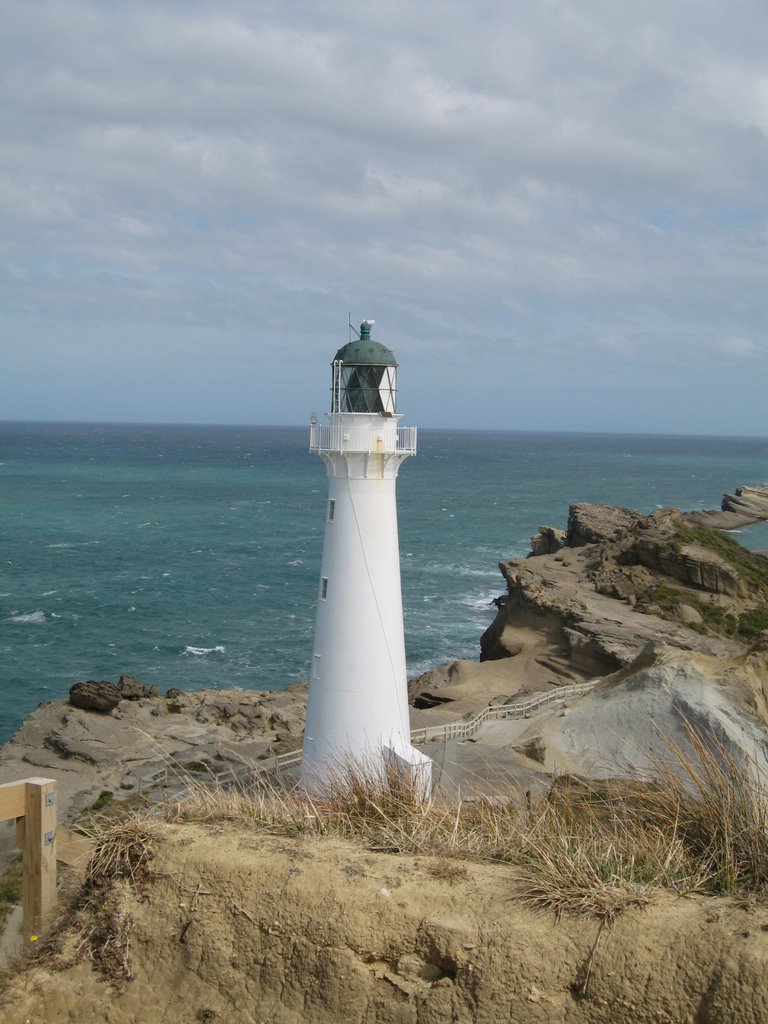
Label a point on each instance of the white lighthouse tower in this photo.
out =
(358, 695)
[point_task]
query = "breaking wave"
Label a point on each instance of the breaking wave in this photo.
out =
(36, 618)
(199, 652)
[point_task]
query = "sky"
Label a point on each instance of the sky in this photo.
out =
(556, 211)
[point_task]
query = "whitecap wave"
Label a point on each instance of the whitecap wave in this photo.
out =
(199, 652)
(296, 561)
(75, 543)
(476, 603)
(35, 618)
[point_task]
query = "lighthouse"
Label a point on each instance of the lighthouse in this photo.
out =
(358, 694)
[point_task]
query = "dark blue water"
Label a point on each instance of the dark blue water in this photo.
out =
(189, 556)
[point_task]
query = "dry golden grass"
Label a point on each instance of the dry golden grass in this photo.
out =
(700, 825)
(122, 849)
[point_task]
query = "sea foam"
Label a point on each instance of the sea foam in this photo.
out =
(36, 618)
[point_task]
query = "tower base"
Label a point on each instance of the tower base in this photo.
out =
(392, 766)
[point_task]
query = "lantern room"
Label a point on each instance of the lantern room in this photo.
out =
(364, 376)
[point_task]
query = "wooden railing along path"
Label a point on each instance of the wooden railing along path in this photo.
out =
(465, 728)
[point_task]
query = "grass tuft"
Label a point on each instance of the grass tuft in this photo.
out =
(122, 850)
(595, 848)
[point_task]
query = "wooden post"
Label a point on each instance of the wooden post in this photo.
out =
(39, 861)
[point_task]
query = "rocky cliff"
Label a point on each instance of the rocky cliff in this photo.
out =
(748, 501)
(621, 579)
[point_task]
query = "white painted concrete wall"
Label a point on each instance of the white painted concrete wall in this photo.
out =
(358, 699)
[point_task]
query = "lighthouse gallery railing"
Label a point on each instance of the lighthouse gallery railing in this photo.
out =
(363, 438)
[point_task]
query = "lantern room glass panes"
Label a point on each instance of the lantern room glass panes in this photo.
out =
(368, 389)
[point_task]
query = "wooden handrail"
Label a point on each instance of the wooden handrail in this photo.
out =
(32, 802)
(516, 709)
(463, 729)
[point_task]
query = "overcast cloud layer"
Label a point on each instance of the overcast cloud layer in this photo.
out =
(555, 210)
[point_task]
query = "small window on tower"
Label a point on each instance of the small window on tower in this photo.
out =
(324, 587)
(331, 510)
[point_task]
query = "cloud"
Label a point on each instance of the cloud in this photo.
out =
(486, 181)
(739, 348)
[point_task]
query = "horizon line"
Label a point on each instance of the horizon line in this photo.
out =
(455, 430)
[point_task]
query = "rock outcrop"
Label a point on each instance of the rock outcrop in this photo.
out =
(95, 696)
(139, 744)
(748, 501)
(547, 541)
(105, 696)
(624, 579)
(593, 524)
(630, 722)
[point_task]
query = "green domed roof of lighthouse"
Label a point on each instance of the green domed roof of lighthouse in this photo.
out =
(364, 351)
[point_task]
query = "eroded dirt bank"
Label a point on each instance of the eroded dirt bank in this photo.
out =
(248, 928)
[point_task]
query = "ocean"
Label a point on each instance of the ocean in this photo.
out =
(189, 556)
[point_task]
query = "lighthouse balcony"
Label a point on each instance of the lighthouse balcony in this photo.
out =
(364, 437)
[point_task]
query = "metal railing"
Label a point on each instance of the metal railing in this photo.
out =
(363, 438)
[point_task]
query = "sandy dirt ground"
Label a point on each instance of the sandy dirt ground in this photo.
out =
(245, 928)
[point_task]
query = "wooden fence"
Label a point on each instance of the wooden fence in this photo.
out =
(32, 802)
(464, 728)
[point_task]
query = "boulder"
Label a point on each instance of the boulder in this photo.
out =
(547, 541)
(130, 688)
(689, 615)
(594, 524)
(95, 696)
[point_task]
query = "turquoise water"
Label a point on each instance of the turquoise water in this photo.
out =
(189, 556)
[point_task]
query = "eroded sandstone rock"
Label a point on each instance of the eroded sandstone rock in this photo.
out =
(131, 689)
(547, 541)
(749, 501)
(91, 695)
(630, 579)
(592, 523)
